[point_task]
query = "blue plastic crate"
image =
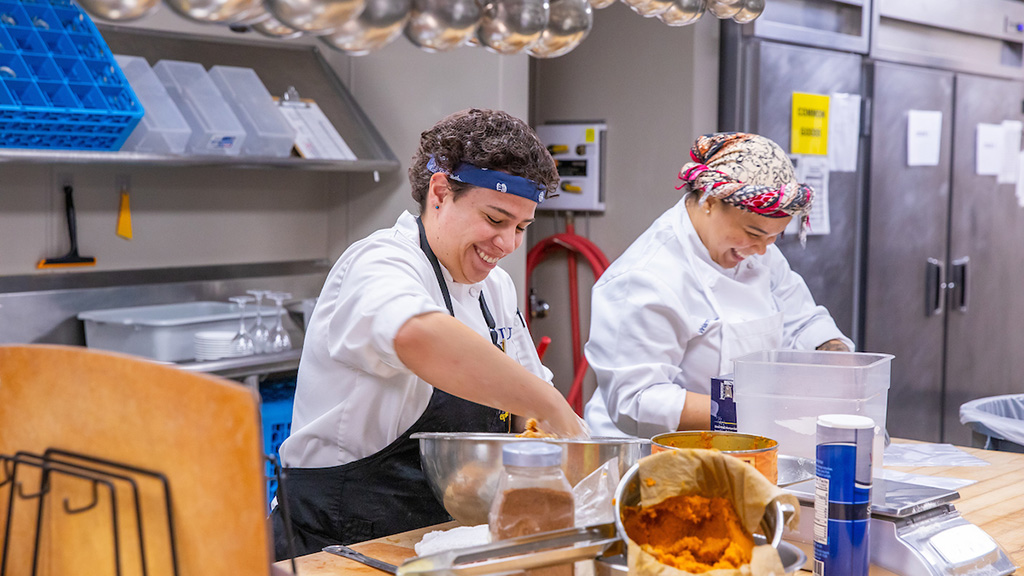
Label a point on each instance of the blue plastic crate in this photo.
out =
(60, 87)
(276, 410)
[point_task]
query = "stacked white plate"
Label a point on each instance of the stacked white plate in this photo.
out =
(213, 344)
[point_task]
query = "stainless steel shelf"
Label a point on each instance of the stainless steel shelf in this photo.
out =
(246, 365)
(152, 160)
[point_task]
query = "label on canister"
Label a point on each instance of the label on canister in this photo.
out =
(842, 495)
(723, 404)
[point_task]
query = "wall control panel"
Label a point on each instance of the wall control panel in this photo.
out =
(578, 150)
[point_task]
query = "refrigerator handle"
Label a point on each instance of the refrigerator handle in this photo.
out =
(934, 287)
(959, 283)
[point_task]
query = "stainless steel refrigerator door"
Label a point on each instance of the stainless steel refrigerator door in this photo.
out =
(985, 322)
(908, 214)
(829, 262)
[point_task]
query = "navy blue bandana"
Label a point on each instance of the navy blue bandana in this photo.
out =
(493, 180)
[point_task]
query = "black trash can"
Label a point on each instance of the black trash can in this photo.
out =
(997, 422)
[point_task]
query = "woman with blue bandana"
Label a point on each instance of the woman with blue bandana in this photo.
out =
(702, 286)
(417, 330)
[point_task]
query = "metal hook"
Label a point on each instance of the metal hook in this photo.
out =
(42, 491)
(89, 506)
(9, 472)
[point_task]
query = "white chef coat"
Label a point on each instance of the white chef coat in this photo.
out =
(354, 396)
(659, 314)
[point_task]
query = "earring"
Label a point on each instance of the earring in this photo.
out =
(708, 210)
(437, 207)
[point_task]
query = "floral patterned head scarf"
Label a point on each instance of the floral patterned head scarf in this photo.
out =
(750, 172)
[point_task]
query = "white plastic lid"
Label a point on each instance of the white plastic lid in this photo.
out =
(531, 454)
(847, 421)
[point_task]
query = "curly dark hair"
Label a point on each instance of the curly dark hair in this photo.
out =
(486, 139)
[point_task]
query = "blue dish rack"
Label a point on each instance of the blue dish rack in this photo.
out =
(276, 410)
(60, 87)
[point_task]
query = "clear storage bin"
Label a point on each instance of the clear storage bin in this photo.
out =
(268, 133)
(780, 394)
(216, 129)
(163, 129)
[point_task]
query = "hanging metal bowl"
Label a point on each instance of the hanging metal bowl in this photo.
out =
(569, 23)
(648, 8)
(379, 24)
(749, 11)
(213, 11)
(119, 10)
(273, 28)
(683, 12)
(441, 25)
(315, 16)
(723, 9)
(509, 26)
(250, 16)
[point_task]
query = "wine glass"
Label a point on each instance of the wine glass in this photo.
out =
(260, 332)
(242, 344)
(279, 339)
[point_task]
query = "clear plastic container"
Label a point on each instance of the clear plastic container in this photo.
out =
(268, 133)
(780, 394)
(216, 129)
(163, 129)
(533, 494)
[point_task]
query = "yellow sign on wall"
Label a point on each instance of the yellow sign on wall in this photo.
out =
(809, 134)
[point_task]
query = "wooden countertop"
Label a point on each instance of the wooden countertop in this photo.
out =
(995, 503)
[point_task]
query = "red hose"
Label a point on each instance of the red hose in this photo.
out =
(574, 244)
(543, 346)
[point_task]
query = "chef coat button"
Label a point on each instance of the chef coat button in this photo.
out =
(474, 291)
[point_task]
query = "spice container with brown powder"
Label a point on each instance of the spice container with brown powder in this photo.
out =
(533, 496)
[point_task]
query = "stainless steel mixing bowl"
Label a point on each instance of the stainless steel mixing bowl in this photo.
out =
(463, 468)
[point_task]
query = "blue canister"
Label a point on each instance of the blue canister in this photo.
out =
(842, 495)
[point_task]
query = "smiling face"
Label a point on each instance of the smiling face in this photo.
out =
(470, 234)
(731, 234)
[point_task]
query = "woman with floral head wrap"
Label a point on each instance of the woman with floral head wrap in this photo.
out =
(702, 286)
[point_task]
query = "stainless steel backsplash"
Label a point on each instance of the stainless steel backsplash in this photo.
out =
(43, 309)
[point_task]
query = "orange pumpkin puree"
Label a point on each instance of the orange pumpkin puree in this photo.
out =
(691, 532)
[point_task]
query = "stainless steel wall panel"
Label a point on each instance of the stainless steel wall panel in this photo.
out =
(983, 341)
(907, 218)
(980, 36)
(47, 313)
(827, 263)
(835, 24)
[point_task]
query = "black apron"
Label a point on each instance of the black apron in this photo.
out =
(387, 492)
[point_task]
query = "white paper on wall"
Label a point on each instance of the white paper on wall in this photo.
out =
(843, 132)
(1020, 181)
(1009, 171)
(988, 153)
(813, 171)
(924, 137)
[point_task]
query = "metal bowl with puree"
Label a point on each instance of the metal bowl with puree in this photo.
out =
(775, 516)
(463, 468)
